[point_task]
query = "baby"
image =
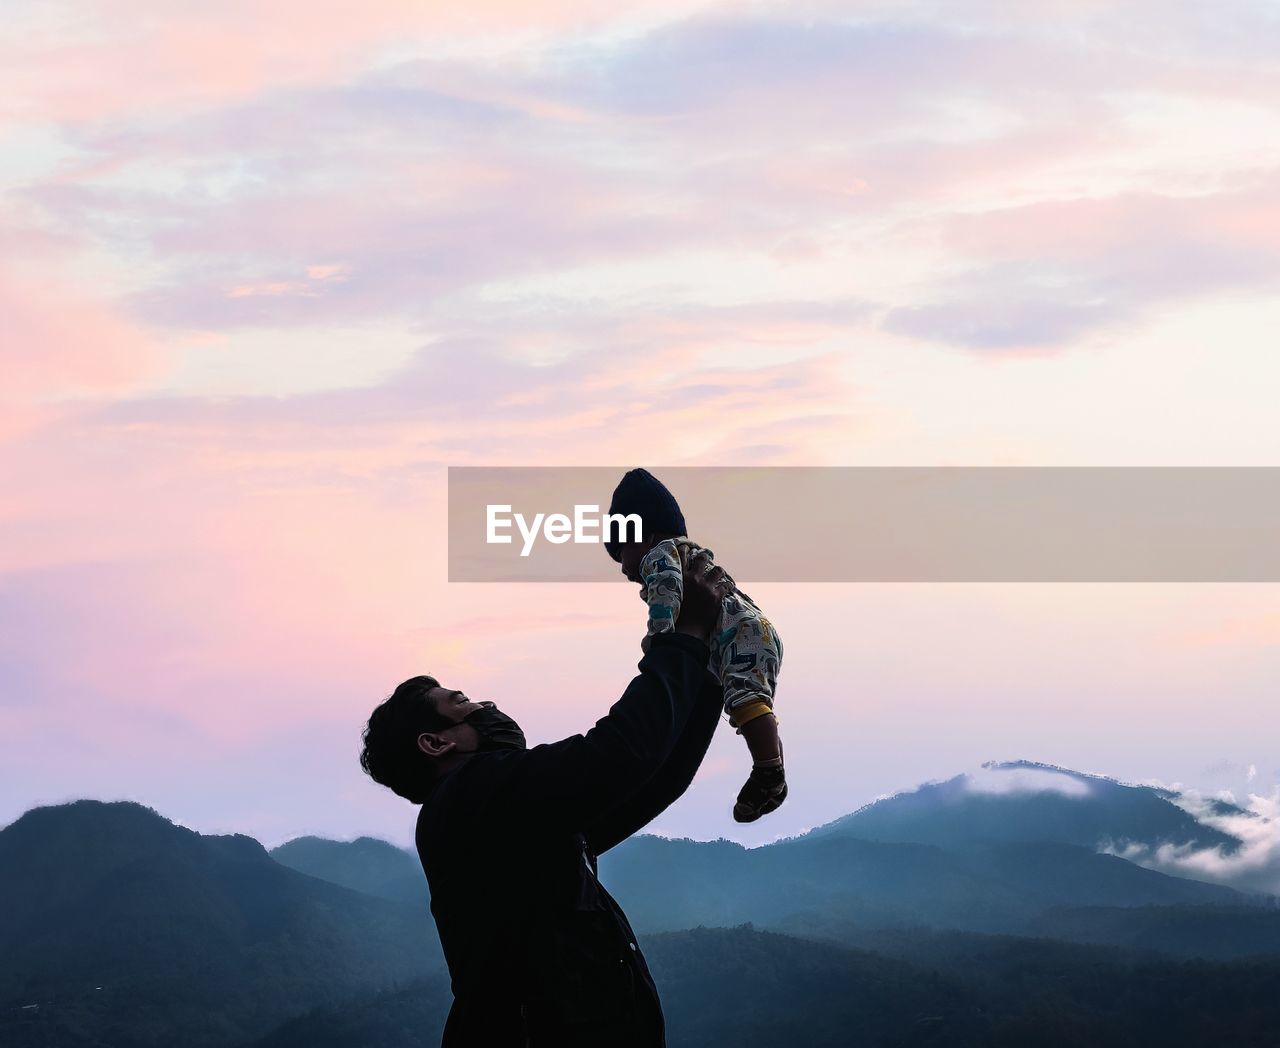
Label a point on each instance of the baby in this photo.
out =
(746, 651)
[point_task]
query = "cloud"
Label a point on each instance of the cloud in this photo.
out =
(758, 136)
(94, 60)
(604, 230)
(1252, 867)
(1044, 275)
(995, 780)
(1006, 322)
(489, 390)
(60, 341)
(418, 186)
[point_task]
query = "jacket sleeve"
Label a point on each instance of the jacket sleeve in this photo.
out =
(663, 575)
(669, 782)
(571, 784)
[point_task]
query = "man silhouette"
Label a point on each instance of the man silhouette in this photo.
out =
(539, 953)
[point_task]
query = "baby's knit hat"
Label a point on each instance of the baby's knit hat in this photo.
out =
(641, 492)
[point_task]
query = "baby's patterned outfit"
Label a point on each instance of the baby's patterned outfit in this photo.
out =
(746, 651)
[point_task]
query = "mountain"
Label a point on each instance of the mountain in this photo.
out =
(753, 989)
(983, 886)
(366, 864)
(744, 987)
(411, 1016)
(1025, 801)
(673, 884)
(122, 930)
(191, 939)
(989, 852)
(1213, 932)
(718, 987)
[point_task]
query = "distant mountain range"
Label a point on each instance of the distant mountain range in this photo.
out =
(1024, 801)
(123, 929)
(110, 909)
(990, 859)
(366, 864)
(746, 988)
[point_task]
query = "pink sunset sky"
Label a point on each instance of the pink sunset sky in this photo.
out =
(269, 269)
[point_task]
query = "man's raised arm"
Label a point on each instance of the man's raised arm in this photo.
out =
(669, 782)
(573, 783)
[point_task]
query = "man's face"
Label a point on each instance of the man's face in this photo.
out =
(455, 706)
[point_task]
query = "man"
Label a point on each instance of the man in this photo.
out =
(538, 952)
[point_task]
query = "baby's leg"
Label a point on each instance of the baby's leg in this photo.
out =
(766, 786)
(759, 727)
(750, 655)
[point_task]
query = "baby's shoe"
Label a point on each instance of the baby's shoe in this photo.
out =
(764, 791)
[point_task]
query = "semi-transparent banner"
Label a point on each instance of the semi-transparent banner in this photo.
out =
(885, 524)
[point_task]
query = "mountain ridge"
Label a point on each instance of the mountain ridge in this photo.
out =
(111, 900)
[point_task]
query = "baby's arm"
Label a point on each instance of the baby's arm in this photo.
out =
(663, 575)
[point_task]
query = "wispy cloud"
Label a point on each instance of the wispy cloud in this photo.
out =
(1024, 780)
(269, 270)
(1253, 866)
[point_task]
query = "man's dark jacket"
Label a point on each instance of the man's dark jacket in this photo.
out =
(539, 953)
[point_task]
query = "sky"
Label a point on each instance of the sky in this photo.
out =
(267, 271)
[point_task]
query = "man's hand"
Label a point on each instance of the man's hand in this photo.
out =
(704, 588)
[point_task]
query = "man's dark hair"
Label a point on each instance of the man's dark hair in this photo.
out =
(390, 754)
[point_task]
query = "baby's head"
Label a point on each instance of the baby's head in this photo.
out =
(641, 492)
